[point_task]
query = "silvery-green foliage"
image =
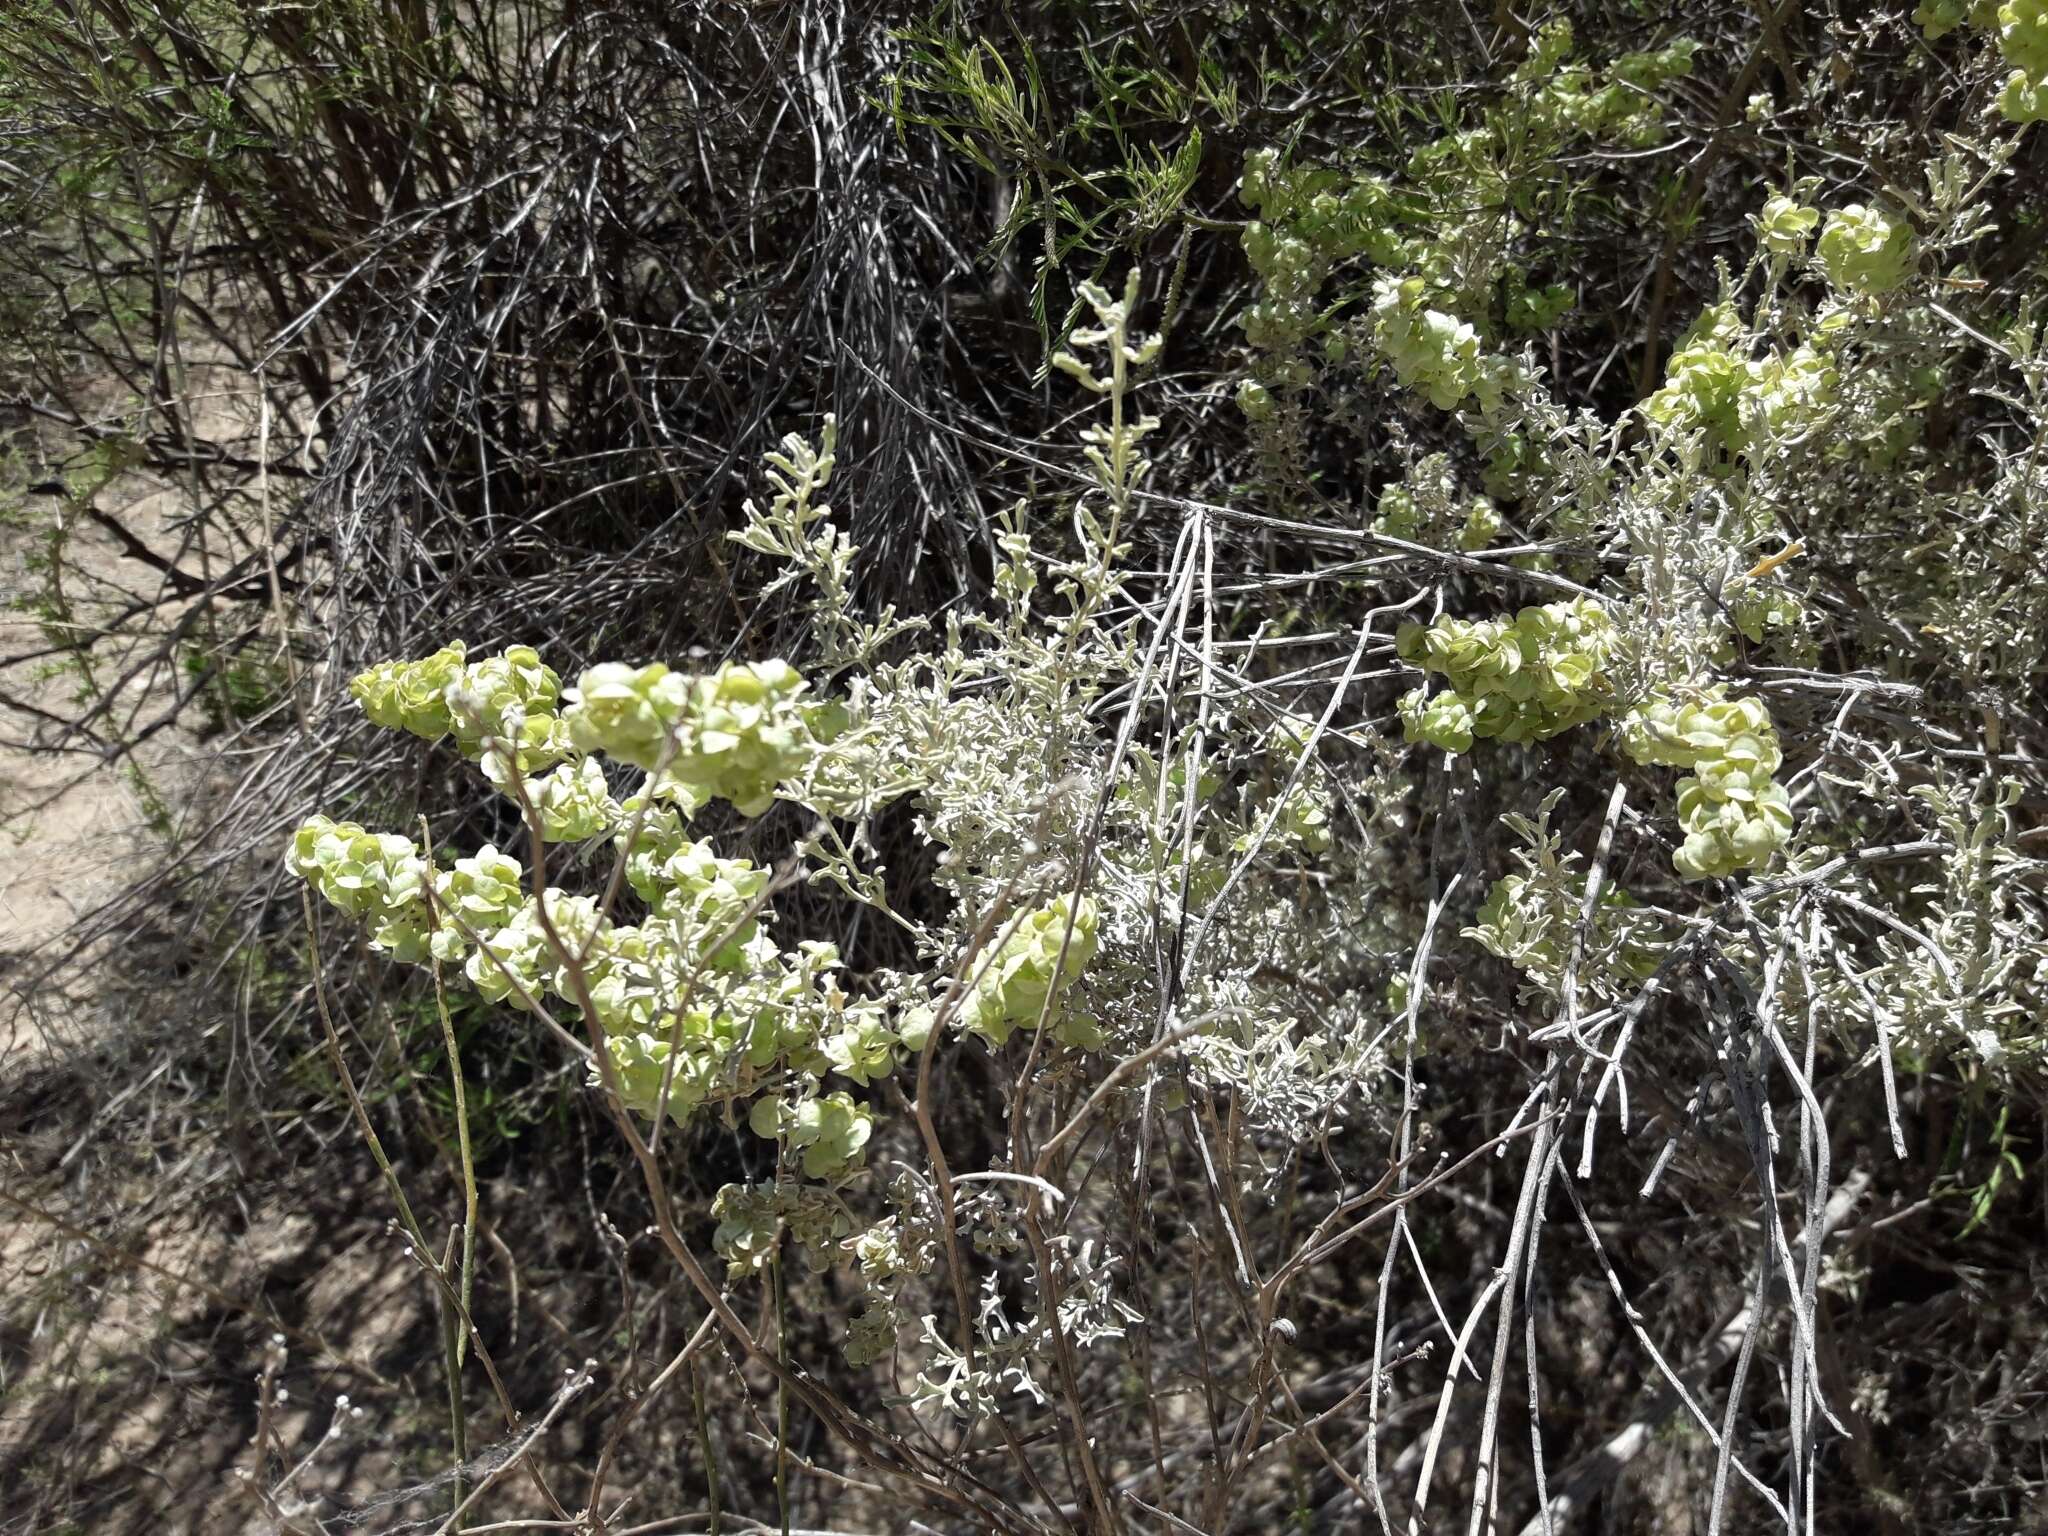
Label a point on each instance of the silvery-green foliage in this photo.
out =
(1537, 920)
(796, 529)
(1964, 970)
(1010, 1354)
(1151, 896)
(697, 1006)
(1788, 426)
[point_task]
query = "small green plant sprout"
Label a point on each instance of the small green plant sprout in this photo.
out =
(796, 531)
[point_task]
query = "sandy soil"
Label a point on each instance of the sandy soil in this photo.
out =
(148, 1263)
(78, 826)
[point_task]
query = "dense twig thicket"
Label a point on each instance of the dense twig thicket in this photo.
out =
(1228, 769)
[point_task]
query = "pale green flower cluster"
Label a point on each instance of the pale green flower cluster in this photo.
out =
(1938, 18)
(2021, 27)
(1303, 822)
(631, 974)
(696, 1004)
(1040, 958)
(1309, 220)
(481, 894)
(1785, 225)
(830, 1130)
(1482, 524)
(1732, 830)
(509, 697)
(1521, 679)
(752, 1219)
(1735, 814)
(573, 802)
(1401, 516)
(1433, 352)
(378, 877)
(886, 1254)
(1712, 385)
(1620, 108)
(1339, 215)
(1761, 611)
(1703, 383)
(648, 834)
(2023, 40)
(1294, 818)
(512, 697)
(1255, 400)
(1445, 719)
(734, 735)
(713, 898)
(513, 963)
(1536, 309)
(863, 1050)
(1427, 506)
(628, 713)
(782, 1008)
(1790, 393)
(1864, 252)
(696, 997)
(744, 734)
(1397, 513)
(411, 695)
(1458, 195)
(507, 700)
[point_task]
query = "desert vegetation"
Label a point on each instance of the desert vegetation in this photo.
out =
(1072, 768)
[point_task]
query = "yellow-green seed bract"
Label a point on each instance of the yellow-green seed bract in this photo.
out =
(1525, 678)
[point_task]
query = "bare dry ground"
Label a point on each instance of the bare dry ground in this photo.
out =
(209, 1320)
(159, 1261)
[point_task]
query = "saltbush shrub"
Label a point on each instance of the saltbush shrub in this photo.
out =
(1361, 838)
